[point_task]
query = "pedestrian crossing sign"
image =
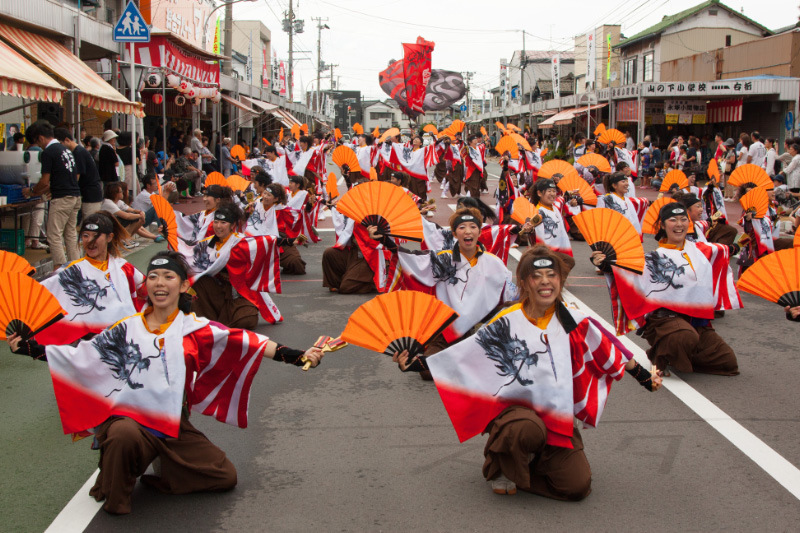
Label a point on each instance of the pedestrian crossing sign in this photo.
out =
(131, 26)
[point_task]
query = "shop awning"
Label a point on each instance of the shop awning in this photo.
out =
(19, 77)
(286, 118)
(236, 103)
(627, 111)
(582, 110)
(264, 106)
(94, 91)
(566, 116)
(724, 111)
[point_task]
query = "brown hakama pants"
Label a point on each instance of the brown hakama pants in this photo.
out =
(215, 302)
(675, 342)
(190, 463)
(347, 271)
(291, 262)
(722, 234)
(455, 178)
(517, 449)
(473, 184)
(418, 187)
(440, 171)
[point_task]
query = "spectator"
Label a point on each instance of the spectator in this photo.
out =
(131, 219)
(16, 142)
(629, 143)
(60, 177)
(771, 157)
(726, 168)
(757, 152)
(88, 176)
(143, 203)
(742, 148)
(125, 152)
(721, 149)
(208, 159)
(183, 172)
(108, 164)
(646, 163)
(196, 143)
(226, 161)
(792, 170)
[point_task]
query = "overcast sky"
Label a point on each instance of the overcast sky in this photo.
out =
(470, 35)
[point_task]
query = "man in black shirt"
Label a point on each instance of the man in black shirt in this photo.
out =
(107, 158)
(88, 176)
(59, 175)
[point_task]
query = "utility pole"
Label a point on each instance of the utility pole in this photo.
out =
(468, 78)
(320, 27)
(228, 43)
(523, 63)
(331, 67)
(291, 52)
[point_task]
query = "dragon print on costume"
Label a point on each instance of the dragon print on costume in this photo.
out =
(443, 268)
(612, 203)
(507, 351)
(200, 258)
(548, 225)
(663, 271)
(123, 356)
(83, 292)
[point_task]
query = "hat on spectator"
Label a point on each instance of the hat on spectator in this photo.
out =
(730, 142)
(108, 135)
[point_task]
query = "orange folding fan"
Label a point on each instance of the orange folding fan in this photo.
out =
(756, 200)
(373, 174)
(611, 233)
(500, 127)
(337, 134)
(672, 179)
(344, 155)
(331, 187)
(304, 128)
(295, 129)
(391, 132)
(280, 136)
(574, 184)
(557, 168)
(512, 127)
(611, 135)
(379, 203)
(750, 174)
(713, 170)
(651, 223)
(430, 128)
(523, 211)
(796, 241)
(483, 132)
(376, 132)
(507, 144)
(775, 277)
(26, 307)
(238, 152)
(358, 128)
(600, 129)
(264, 139)
(397, 321)
(522, 141)
(216, 178)
(166, 215)
(238, 183)
(595, 160)
(544, 152)
(458, 125)
(10, 262)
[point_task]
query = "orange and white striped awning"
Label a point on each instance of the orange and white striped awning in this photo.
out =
(93, 91)
(21, 78)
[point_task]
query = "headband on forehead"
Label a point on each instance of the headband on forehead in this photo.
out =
(544, 184)
(615, 178)
(543, 262)
(224, 215)
(670, 210)
(100, 224)
(214, 191)
(465, 218)
(167, 263)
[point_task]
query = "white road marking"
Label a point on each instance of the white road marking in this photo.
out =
(79, 512)
(762, 455)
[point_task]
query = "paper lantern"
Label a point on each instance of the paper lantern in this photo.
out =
(180, 100)
(154, 78)
(157, 99)
(197, 101)
(192, 93)
(185, 86)
(173, 81)
(217, 98)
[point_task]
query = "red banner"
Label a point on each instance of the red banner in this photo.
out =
(417, 71)
(282, 78)
(162, 53)
(264, 69)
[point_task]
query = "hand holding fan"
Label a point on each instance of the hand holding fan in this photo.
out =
(756, 201)
(358, 128)
(775, 277)
(430, 128)
(612, 234)
(523, 212)
(295, 129)
(344, 155)
(381, 204)
(337, 134)
(238, 183)
(576, 184)
(398, 321)
(522, 141)
(595, 160)
(600, 129)
(238, 152)
(26, 307)
(674, 178)
(713, 171)
(651, 222)
(391, 132)
(10, 262)
(507, 144)
(304, 128)
(612, 135)
(166, 216)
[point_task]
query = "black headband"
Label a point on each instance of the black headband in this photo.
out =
(543, 262)
(167, 263)
(466, 217)
(224, 215)
(100, 224)
(615, 178)
(214, 191)
(670, 210)
(544, 184)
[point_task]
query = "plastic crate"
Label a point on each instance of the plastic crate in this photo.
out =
(12, 192)
(12, 241)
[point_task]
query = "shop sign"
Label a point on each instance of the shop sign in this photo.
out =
(698, 88)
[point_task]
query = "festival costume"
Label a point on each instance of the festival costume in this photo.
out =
(135, 387)
(285, 224)
(524, 381)
(673, 302)
(195, 227)
(633, 209)
(553, 232)
(761, 232)
(414, 163)
(474, 172)
(278, 169)
(496, 239)
(95, 295)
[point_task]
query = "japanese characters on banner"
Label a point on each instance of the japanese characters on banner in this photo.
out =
(654, 113)
(503, 82)
(264, 68)
(591, 61)
(685, 111)
(556, 75)
(282, 78)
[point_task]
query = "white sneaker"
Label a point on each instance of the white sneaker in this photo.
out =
(503, 485)
(444, 193)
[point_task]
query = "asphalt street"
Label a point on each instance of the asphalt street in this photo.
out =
(357, 445)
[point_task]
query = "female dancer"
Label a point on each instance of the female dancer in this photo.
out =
(196, 227)
(98, 289)
(618, 184)
(523, 378)
(674, 299)
(138, 381)
(552, 231)
(270, 216)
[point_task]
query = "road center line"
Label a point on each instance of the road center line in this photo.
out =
(79, 512)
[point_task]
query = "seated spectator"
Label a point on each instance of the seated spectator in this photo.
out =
(131, 219)
(184, 172)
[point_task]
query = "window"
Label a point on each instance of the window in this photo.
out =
(727, 40)
(647, 71)
(378, 115)
(629, 71)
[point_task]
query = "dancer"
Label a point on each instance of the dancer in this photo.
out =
(618, 184)
(138, 381)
